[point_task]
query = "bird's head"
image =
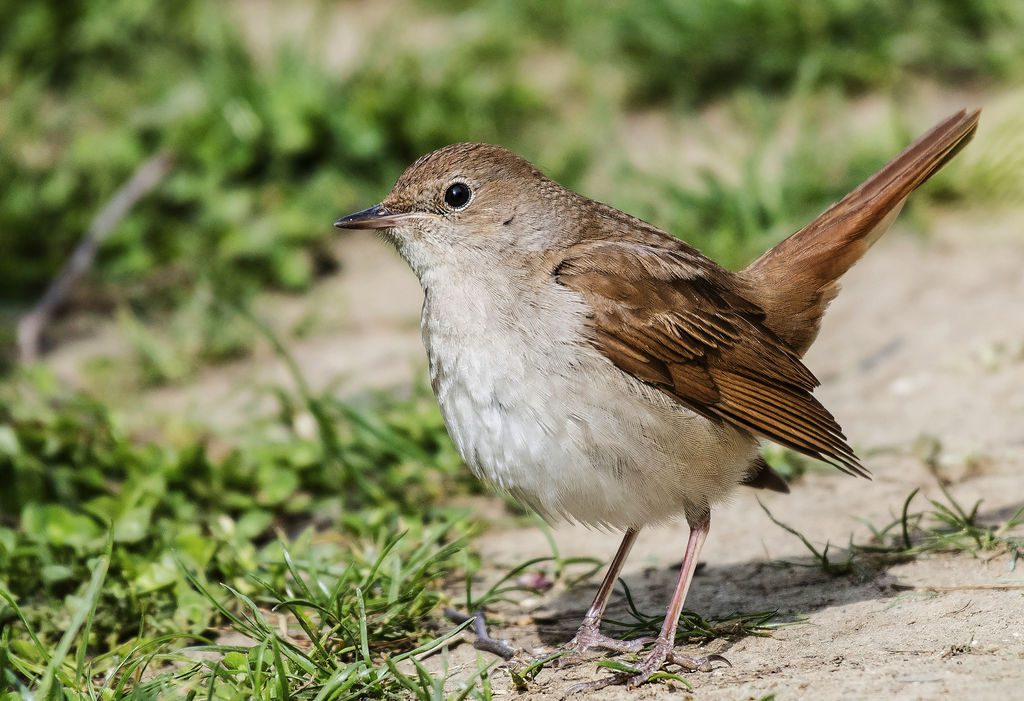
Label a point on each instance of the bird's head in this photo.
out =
(466, 200)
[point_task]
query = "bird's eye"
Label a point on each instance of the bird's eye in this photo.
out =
(457, 195)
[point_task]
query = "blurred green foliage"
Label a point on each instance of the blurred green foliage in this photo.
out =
(707, 48)
(690, 52)
(266, 155)
(779, 185)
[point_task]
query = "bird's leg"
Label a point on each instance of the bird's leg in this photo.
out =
(663, 647)
(662, 651)
(589, 635)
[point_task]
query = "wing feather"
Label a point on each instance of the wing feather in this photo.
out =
(675, 320)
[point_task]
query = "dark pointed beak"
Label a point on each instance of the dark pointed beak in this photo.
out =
(376, 217)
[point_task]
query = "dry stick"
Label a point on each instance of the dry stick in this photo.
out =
(484, 641)
(146, 177)
(967, 587)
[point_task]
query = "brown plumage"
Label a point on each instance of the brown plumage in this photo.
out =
(660, 317)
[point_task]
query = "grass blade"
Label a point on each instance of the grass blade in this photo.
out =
(83, 612)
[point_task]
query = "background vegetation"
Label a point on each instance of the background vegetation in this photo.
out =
(119, 549)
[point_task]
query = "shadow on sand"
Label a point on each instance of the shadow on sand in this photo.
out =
(796, 587)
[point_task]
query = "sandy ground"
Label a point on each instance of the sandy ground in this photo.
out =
(923, 348)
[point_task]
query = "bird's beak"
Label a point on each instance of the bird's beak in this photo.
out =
(376, 217)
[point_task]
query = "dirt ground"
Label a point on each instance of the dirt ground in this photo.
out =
(923, 350)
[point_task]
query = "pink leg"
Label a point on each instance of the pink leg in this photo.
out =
(589, 634)
(663, 651)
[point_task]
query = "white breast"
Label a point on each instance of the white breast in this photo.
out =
(536, 410)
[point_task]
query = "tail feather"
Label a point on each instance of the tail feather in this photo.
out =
(795, 281)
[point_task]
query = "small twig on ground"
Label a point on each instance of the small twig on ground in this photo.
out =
(968, 587)
(146, 177)
(484, 641)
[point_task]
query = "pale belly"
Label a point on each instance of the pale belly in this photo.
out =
(544, 416)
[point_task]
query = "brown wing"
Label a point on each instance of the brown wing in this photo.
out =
(672, 319)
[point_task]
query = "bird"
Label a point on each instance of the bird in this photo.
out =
(603, 371)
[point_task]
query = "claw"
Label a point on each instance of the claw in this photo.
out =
(695, 664)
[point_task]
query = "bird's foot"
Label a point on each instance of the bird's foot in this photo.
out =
(589, 637)
(663, 654)
(658, 657)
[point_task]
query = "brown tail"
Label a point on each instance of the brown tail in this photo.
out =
(796, 280)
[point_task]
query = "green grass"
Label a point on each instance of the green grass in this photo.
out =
(327, 553)
(317, 620)
(942, 527)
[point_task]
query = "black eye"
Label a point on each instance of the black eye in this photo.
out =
(457, 195)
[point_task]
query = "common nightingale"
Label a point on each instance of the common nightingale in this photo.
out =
(601, 370)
